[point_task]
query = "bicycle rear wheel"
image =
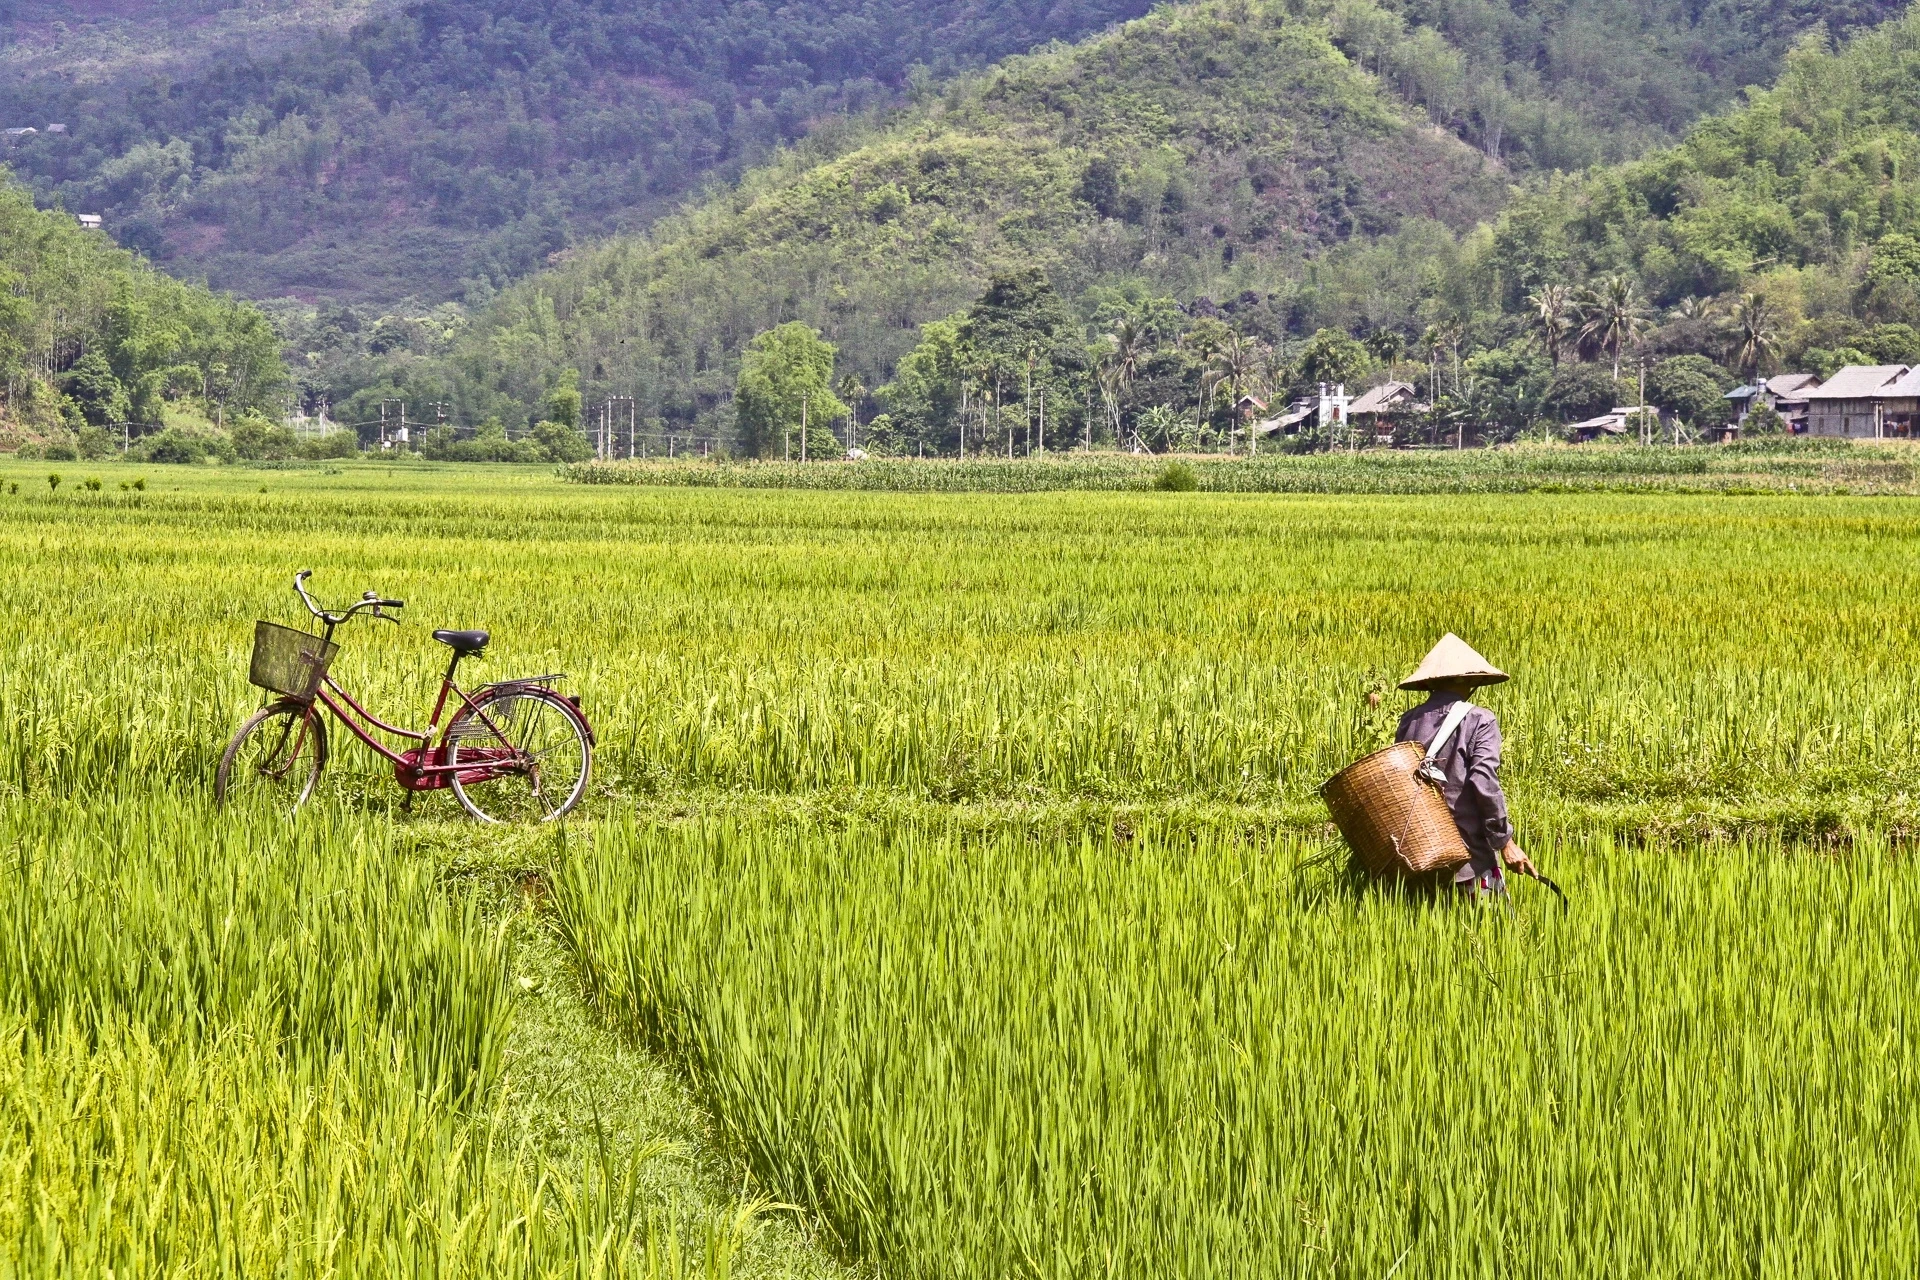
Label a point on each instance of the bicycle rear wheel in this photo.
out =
(275, 759)
(519, 755)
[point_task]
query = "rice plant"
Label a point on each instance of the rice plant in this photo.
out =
(1177, 1055)
(952, 842)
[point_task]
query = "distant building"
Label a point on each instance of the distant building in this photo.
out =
(1384, 407)
(1785, 394)
(91, 221)
(1614, 422)
(1335, 409)
(1288, 420)
(1865, 402)
(25, 132)
(56, 128)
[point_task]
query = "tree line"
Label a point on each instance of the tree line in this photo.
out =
(97, 346)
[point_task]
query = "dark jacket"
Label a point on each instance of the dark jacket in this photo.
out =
(1471, 762)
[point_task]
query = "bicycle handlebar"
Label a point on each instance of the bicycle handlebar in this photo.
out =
(333, 619)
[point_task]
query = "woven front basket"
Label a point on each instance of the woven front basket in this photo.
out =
(1398, 826)
(288, 661)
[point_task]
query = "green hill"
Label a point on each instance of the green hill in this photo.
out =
(1208, 150)
(91, 338)
(434, 148)
(376, 150)
(1798, 191)
(1229, 157)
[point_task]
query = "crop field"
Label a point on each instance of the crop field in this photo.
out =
(958, 856)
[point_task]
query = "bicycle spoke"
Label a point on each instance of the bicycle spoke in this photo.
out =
(549, 758)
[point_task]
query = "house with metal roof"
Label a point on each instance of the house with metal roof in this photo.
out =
(1616, 422)
(1865, 402)
(1784, 393)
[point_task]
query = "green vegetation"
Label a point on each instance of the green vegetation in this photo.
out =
(1760, 465)
(1172, 1052)
(1238, 143)
(963, 852)
(1224, 202)
(92, 338)
(439, 148)
(372, 152)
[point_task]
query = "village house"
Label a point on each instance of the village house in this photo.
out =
(1615, 422)
(1865, 402)
(1384, 408)
(1785, 394)
(1330, 409)
(91, 221)
(25, 131)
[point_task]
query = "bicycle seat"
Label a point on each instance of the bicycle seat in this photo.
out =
(462, 641)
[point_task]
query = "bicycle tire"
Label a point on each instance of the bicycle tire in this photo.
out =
(289, 782)
(534, 721)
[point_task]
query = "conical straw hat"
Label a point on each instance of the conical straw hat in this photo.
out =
(1452, 659)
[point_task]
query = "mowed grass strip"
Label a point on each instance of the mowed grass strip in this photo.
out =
(1180, 1055)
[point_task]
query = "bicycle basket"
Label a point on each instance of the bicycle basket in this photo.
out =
(288, 661)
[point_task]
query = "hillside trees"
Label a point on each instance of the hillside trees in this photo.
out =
(1692, 386)
(1243, 147)
(91, 335)
(784, 403)
(438, 146)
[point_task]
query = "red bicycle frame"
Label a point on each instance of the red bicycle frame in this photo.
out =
(424, 767)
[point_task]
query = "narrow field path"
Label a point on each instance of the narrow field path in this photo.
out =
(582, 1098)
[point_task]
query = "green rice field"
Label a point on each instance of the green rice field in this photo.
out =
(953, 898)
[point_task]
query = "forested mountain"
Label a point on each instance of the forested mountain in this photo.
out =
(444, 146)
(372, 150)
(1224, 162)
(91, 337)
(1211, 150)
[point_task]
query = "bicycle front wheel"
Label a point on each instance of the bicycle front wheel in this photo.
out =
(275, 759)
(519, 755)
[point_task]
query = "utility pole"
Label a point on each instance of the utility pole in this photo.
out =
(803, 427)
(1646, 432)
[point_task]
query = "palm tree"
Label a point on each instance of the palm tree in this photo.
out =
(1553, 311)
(1695, 307)
(1754, 327)
(1235, 364)
(1612, 316)
(1160, 424)
(1128, 344)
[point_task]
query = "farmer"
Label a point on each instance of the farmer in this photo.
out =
(1468, 761)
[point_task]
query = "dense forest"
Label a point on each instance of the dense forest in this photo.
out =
(96, 346)
(436, 149)
(1125, 234)
(1220, 177)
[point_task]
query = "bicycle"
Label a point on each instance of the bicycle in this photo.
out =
(513, 750)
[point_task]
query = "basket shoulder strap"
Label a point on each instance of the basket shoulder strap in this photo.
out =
(1455, 714)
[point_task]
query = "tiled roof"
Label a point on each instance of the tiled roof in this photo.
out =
(1381, 397)
(1906, 385)
(1792, 386)
(1857, 382)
